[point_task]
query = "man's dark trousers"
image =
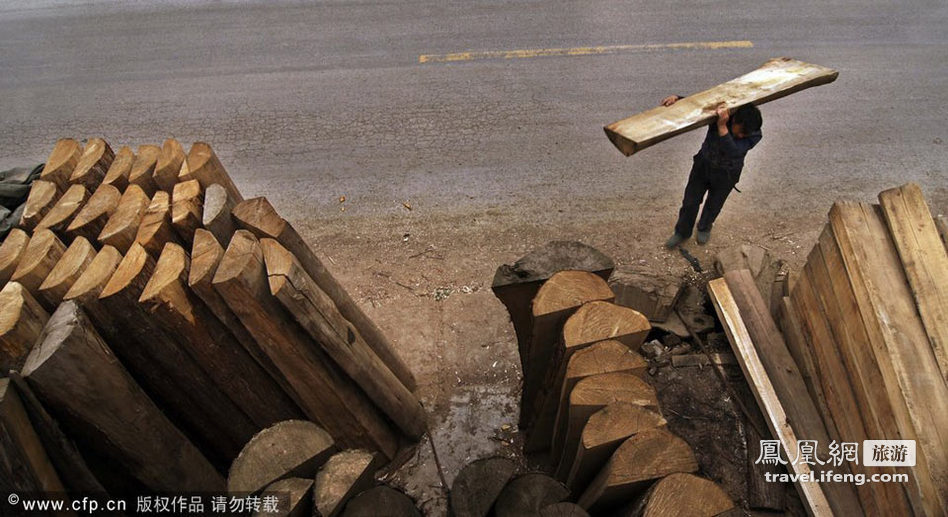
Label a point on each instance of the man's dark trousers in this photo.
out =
(703, 179)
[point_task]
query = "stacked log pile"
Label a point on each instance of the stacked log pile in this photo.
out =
(862, 355)
(155, 322)
(586, 409)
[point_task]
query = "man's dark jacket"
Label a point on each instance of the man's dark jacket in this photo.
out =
(725, 154)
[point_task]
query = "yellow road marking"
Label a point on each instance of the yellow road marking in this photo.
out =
(577, 51)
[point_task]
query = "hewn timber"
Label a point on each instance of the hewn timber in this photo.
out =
(368, 503)
(93, 164)
(477, 486)
(186, 207)
(21, 320)
(217, 209)
(42, 197)
(292, 448)
(344, 475)
(528, 494)
(155, 229)
(23, 458)
(61, 163)
(122, 227)
(62, 212)
(94, 214)
(11, 252)
(143, 168)
(42, 253)
(169, 164)
(70, 267)
(203, 165)
(682, 494)
(121, 167)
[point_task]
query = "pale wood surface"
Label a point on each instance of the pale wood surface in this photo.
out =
(143, 168)
(93, 164)
(122, 226)
(62, 212)
(344, 475)
(42, 253)
(70, 267)
(86, 289)
(94, 214)
(61, 162)
(11, 252)
(155, 229)
(22, 456)
(203, 165)
(169, 164)
(774, 79)
(121, 167)
(187, 201)
(682, 494)
(217, 209)
(42, 197)
(21, 320)
(292, 448)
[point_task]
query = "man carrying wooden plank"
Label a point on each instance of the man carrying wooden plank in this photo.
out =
(716, 170)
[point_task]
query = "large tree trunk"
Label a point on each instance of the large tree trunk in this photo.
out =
(23, 459)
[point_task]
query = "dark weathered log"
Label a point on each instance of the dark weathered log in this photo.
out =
(93, 164)
(682, 494)
(65, 273)
(605, 430)
(21, 320)
(647, 456)
(122, 227)
(164, 369)
(528, 494)
(369, 503)
(320, 388)
(259, 216)
(155, 229)
(517, 284)
(121, 167)
(317, 314)
(217, 210)
(61, 163)
(42, 197)
(203, 165)
(41, 255)
(211, 345)
(477, 486)
(288, 449)
(563, 510)
(94, 214)
(23, 460)
(186, 207)
(295, 496)
(143, 169)
(11, 252)
(75, 374)
(61, 214)
(343, 476)
(169, 164)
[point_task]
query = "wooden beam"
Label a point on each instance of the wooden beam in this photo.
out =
(93, 164)
(211, 345)
(23, 458)
(75, 374)
(789, 322)
(155, 229)
(169, 164)
(320, 388)
(682, 494)
(65, 273)
(41, 255)
(217, 210)
(203, 165)
(318, 315)
(910, 373)
(122, 227)
(66, 207)
(528, 494)
(478, 484)
(42, 197)
(644, 457)
(186, 208)
(143, 169)
(61, 163)
(121, 167)
(258, 216)
(344, 475)
(811, 493)
(21, 320)
(11, 252)
(94, 214)
(774, 79)
(924, 260)
(294, 448)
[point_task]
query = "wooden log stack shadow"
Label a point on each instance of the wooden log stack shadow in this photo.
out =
(159, 329)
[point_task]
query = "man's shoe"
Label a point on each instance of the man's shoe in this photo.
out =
(703, 237)
(674, 240)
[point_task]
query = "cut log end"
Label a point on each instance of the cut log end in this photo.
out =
(21, 320)
(570, 289)
(598, 321)
(41, 255)
(369, 503)
(293, 448)
(681, 493)
(42, 197)
(528, 495)
(93, 165)
(64, 274)
(343, 476)
(172, 266)
(117, 175)
(122, 227)
(136, 266)
(206, 255)
(11, 252)
(478, 485)
(90, 284)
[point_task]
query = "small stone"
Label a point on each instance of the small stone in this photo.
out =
(680, 349)
(671, 340)
(652, 349)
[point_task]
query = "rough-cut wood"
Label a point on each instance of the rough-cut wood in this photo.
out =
(21, 320)
(143, 168)
(186, 207)
(556, 300)
(528, 494)
(41, 255)
(203, 165)
(603, 357)
(682, 494)
(61, 214)
(478, 485)
(122, 227)
(605, 430)
(294, 496)
(211, 345)
(165, 370)
(814, 499)
(70, 267)
(908, 367)
(61, 162)
(369, 503)
(75, 374)
(93, 164)
(924, 260)
(85, 291)
(155, 229)
(517, 284)
(217, 210)
(563, 510)
(94, 214)
(317, 314)
(121, 167)
(321, 389)
(589, 396)
(42, 197)
(941, 222)
(640, 459)
(344, 475)
(206, 255)
(169, 164)
(654, 297)
(774, 79)
(593, 322)
(11, 252)
(292, 448)
(23, 459)
(789, 322)
(258, 216)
